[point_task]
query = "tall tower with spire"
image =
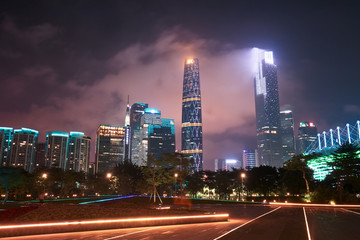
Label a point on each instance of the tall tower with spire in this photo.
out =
(191, 127)
(127, 142)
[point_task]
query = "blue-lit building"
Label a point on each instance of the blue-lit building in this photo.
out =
(5, 145)
(150, 119)
(249, 159)
(307, 134)
(267, 110)
(109, 147)
(136, 112)
(191, 125)
(56, 153)
(78, 152)
(23, 148)
(162, 138)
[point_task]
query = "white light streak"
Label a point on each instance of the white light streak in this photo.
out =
(246, 223)
(307, 225)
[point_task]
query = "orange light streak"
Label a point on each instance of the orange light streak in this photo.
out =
(111, 221)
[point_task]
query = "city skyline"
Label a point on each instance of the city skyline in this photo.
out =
(88, 81)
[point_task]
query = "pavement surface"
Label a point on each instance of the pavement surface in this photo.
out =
(246, 222)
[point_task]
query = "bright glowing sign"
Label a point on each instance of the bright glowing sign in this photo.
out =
(189, 61)
(231, 161)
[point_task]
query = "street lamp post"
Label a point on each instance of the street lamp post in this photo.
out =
(175, 176)
(242, 186)
(44, 177)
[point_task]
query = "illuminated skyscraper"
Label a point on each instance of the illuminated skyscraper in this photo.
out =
(267, 110)
(127, 140)
(23, 148)
(162, 138)
(109, 147)
(191, 127)
(79, 152)
(57, 150)
(149, 120)
(287, 134)
(307, 134)
(5, 145)
(136, 111)
(249, 160)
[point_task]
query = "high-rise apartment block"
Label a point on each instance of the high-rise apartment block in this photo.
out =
(78, 152)
(191, 127)
(56, 155)
(40, 155)
(5, 145)
(109, 147)
(307, 134)
(287, 134)
(23, 148)
(249, 159)
(267, 110)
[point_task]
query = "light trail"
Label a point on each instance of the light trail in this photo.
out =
(312, 205)
(347, 210)
(114, 221)
(246, 223)
(307, 225)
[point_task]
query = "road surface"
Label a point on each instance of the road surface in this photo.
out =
(248, 222)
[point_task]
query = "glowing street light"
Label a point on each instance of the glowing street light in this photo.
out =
(108, 175)
(44, 175)
(242, 175)
(175, 176)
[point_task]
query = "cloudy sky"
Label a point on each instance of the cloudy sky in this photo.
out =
(69, 65)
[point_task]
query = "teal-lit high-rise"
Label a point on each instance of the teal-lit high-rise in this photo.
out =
(191, 127)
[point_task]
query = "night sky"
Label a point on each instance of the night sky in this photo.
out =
(69, 65)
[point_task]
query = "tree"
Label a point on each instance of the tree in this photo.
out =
(156, 172)
(299, 163)
(181, 164)
(224, 184)
(11, 177)
(346, 167)
(195, 183)
(262, 179)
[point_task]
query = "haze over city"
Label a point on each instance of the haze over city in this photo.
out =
(75, 73)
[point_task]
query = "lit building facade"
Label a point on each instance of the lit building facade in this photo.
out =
(191, 127)
(150, 119)
(249, 159)
(5, 145)
(78, 152)
(307, 134)
(287, 134)
(23, 148)
(136, 112)
(127, 140)
(109, 147)
(56, 150)
(162, 138)
(267, 110)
